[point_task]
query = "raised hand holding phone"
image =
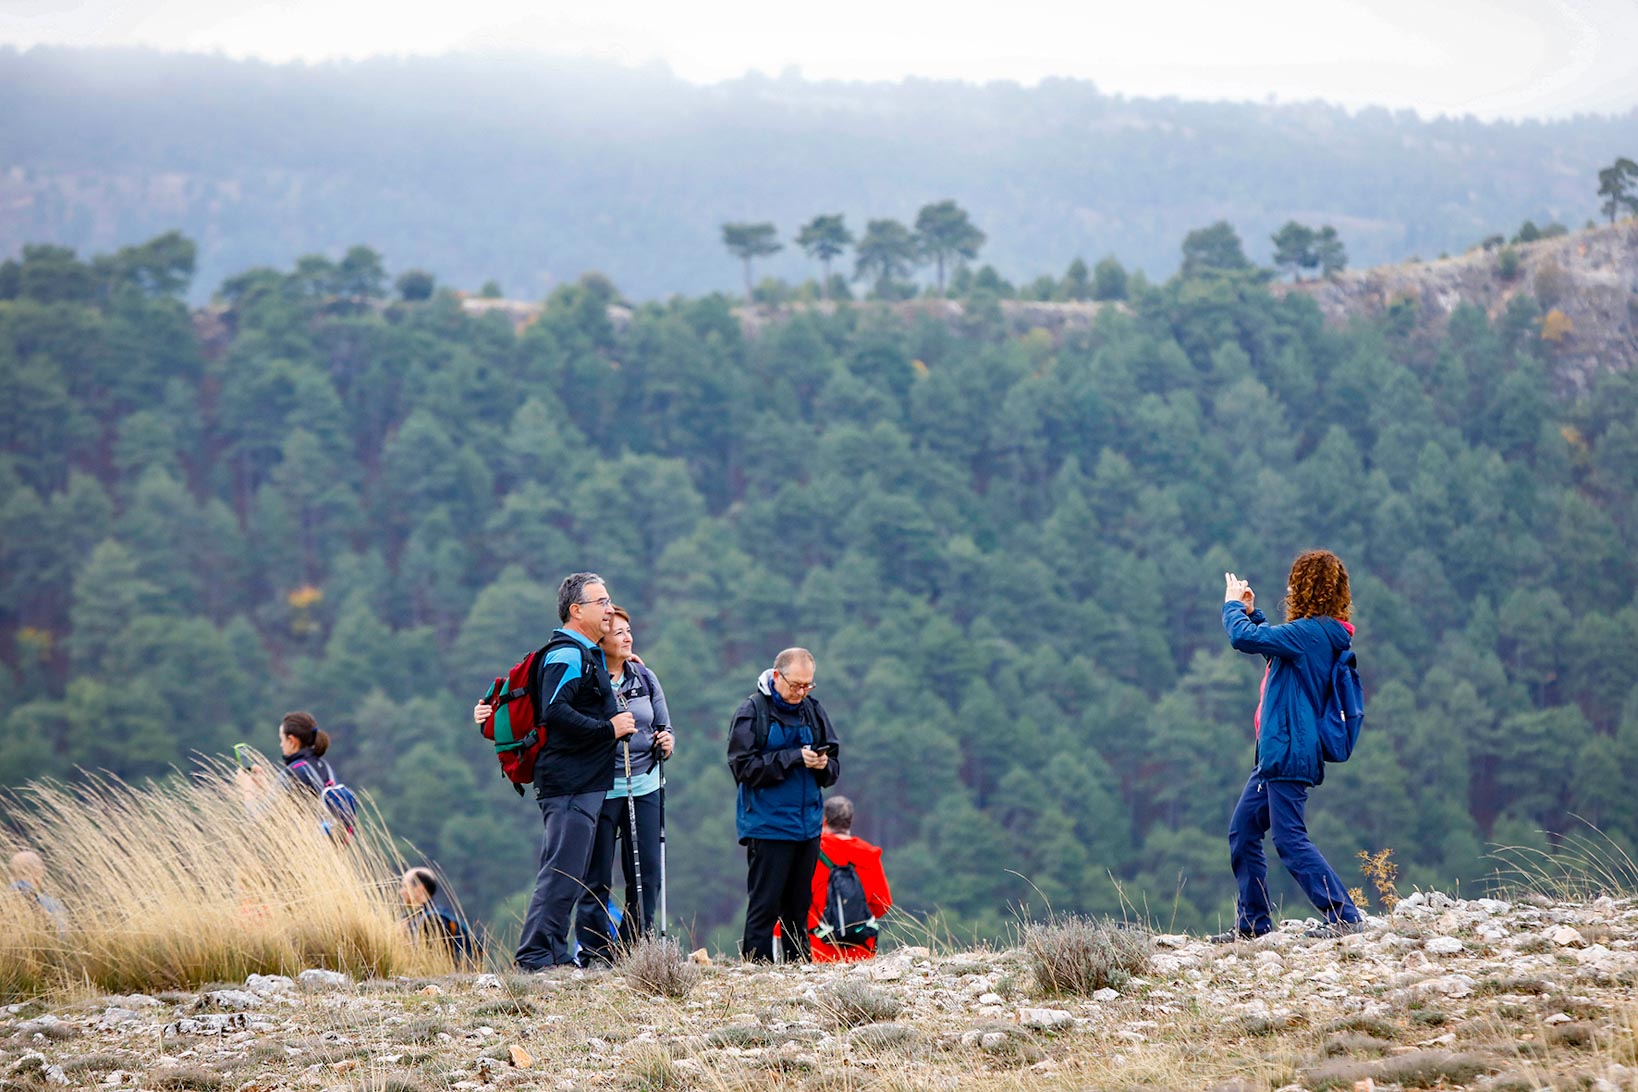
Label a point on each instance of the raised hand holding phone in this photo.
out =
(1239, 591)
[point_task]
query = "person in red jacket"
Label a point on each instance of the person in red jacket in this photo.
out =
(838, 846)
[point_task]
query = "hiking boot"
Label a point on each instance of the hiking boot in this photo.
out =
(1335, 930)
(1234, 936)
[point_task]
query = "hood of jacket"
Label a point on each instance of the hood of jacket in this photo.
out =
(1340, 632)
(764, 684)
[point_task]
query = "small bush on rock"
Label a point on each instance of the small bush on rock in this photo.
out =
(853, 1003)
(655, 966)
(1076, 955)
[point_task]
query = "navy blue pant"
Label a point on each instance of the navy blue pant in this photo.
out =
(592, 916)
(565, 852)
(1277, 807)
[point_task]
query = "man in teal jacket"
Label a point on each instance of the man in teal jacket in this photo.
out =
(1300, 657)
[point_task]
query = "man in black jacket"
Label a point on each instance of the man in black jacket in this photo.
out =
(783, 752)
(582, 720)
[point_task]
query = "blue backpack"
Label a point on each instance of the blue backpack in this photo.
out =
(1344, 713)
(340, 803)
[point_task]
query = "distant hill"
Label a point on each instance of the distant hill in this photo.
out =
(1585, 284)
(1587, 279)
(532, 172)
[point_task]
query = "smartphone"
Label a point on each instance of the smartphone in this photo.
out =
(823, 748)
(243, 752)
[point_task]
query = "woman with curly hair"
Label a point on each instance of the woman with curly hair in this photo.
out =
(1300, 655)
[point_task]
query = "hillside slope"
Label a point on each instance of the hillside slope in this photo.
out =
(1441, 993)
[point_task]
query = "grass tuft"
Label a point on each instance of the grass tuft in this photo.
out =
(184, 1078)
(653, 1070)
(1077, 955)
(655, 966)
(852, 1003)
(1580, 867)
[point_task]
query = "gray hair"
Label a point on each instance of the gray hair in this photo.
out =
(791, 656)
(570, 591)
(839, 814)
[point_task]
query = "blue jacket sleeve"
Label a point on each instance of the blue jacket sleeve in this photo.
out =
(1252, 633)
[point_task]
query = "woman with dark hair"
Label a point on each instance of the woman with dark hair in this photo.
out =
(1300, 656)
(302, 744)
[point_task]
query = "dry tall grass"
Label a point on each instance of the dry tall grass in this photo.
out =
(1581, 866)
(179, 883)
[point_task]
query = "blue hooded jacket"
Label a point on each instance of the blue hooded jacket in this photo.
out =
(1300, 656)
(780, 799)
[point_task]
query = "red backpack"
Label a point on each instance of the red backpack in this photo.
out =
(515, 726)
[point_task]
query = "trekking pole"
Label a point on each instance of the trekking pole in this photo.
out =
(665, 727)
(631, 818)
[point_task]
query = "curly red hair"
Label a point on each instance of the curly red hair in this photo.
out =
(1318, 587)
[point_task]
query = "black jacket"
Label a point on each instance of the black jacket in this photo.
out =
(308, 770)
(578, 704)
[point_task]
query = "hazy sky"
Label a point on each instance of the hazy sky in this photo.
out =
(1508, 58)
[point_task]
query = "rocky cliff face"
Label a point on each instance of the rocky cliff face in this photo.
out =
(1586, 284)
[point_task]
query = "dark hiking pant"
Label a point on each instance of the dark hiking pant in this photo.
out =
(592, 918)
(565, 851)
(779, 883)
(1277, 807)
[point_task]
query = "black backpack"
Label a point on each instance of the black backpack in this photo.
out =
(847, 920)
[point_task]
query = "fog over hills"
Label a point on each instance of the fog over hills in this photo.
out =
(532, 172)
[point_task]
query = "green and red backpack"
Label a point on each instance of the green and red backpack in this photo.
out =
(516, 726)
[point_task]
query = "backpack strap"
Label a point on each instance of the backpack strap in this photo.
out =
(826, 861)
(325, 773)
(761, 715)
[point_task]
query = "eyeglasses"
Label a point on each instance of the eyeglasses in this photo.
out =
(799, 687)
(603, 602)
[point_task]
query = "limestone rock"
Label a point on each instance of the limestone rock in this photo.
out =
(270, 983)
(1566, 936)
(1046, 1019)
(316, 979)
(235, 1000)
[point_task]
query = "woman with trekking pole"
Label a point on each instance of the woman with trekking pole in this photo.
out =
(632, 811)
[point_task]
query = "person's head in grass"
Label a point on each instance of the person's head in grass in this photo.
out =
(418, 887)
(28, 868)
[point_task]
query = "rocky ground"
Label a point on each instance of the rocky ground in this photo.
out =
(1442, 993)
